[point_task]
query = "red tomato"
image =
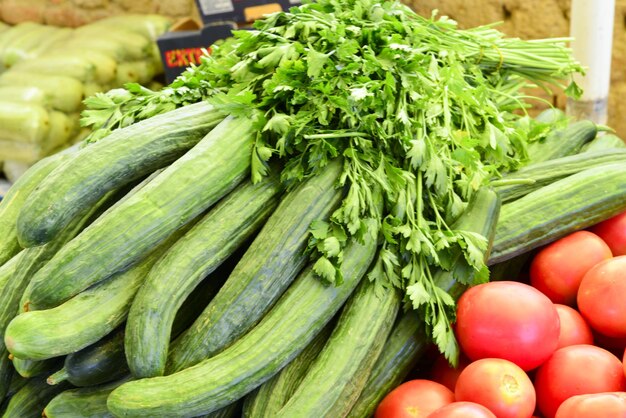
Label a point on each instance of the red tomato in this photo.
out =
(557, 269)
(414, 399)
(601, 297)
(574, 329)
(613, 232)
(442, 372)
(500, 385)
(462, 410)
(605, 405)
(507, 320)
(576, 370)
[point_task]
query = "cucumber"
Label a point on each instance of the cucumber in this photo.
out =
(406, 344)
(547, 214)
(103, 66)
(603, 142)
(17, 382)
(337, 376)
(149, 26)
(271, 263)
(123, 236)
(85, 402)
(105, 360)
(99, 363)
(197, 254)
(547, 172)
(122, 157)
(32, 398)
(84, 319)
(562, 142)
(30, 260)
(76, 67)
(298, 316)
(22, 46)
(271, 396)
(15, 199)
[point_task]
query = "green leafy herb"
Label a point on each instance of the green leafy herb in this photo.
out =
(419, 110)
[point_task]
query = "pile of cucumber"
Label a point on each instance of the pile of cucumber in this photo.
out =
(146, 275)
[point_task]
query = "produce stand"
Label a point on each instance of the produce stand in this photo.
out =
(345, 209)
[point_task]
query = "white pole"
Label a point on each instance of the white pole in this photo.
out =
(592, 29)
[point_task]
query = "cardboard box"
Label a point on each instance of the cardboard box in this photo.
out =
(190, 38)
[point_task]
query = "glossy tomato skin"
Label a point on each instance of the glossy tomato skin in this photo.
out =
(414, 399)
(597, 405)
(613, 232)
(507, 320)
(462, 410)
(574, 330)
(576, 370)
(442, 372)
(601, 297)
(557, 270)
(499, 385)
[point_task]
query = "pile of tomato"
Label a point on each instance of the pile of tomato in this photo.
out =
(549, 345)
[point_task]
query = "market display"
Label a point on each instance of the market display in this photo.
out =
(46, 72)
(290, 227)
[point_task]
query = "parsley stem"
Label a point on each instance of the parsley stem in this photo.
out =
(337, 135)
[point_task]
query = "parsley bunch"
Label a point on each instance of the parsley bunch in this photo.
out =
(422, 113)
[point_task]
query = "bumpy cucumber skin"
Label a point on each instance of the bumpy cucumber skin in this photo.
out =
(85, 402)
(266, 400)
(405, 345)
(105, 360)
(550, 171)
(123, 156)
(338, 375)
(15, 199)
(84, 319)
(545, 215)
(563, 142)
(268, 267)
(224, 229)
(216, 165)
(305, 308)
(32, 398)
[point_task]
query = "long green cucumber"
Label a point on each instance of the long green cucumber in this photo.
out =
(118, 197)
(547, 214)
(120, 158)
(266, 400)
(544, 173)
(29, 261)
(300, 314)
(219, 162)
(406, 344)
(84, 402)
(225, 228)
(32, 398)
(105, 360)
(15, 199)
(83, 319)
(603, 142)
(337, 376)
(563, 142)
(271, 263)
